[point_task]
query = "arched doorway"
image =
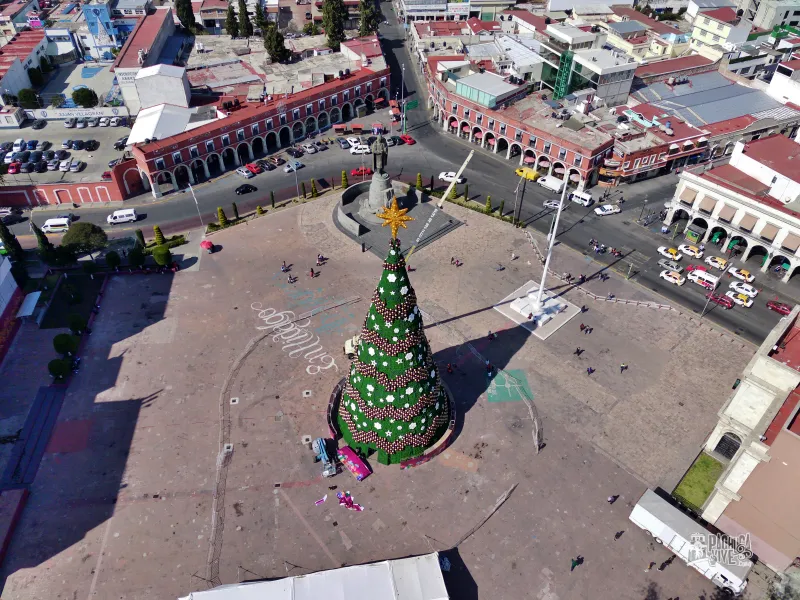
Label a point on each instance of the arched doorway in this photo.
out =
(370, 102)
(574, 179)
(717, 236)
(214, 164)
(311, 125)
(779, 265)
(336, 115)
(322, 121)
(514, 150)
(163, 182)
(257, 144)
(452, 125)
(795, 271)
(272, 141)
(477, 135)
(529, 158)
(357, 102)
(542, 164)
(244, 152)
(297, 131)
(502, 146)
(680, 216)
(491, 140)
(133, 181)
(384, 93)
(757, 256)
(228, 158)
(716, 152)
(729, 148)
(463, 130)
(737, 246)
(285, 136)
(728, 445)
(198, 168)
(559, 170)
(181, 177)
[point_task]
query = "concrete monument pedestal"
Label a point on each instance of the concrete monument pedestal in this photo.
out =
(380, 196)
(520, 307)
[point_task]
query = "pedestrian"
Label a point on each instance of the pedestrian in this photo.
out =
(666, 563)
(583, 308)
(289, 279)
(284, 265)
(650, 567)
(124, 253)
(513, 256)
(586, 330)
(618, 534)
(449, 368)
(623, 367)
(578, 351)
(583, 326)
(490, 336)
(612, 499)
(577, 561)
(589, 370)
(311, 274)
(452, 260)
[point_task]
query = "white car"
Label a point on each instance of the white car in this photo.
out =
(360, 149)
(309, 148)
(743, 288)
(65, 165)
(449, 177)
(716, 262)
(691, 250)
(740, 299)
(76, 166)
(672, 277)
(554, 204)
(742, 274)
(293, 166)
(607, 209)
(105, 121)
(244, 173)
(353, 141)
(670, 253)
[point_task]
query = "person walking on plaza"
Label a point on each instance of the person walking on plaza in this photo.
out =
(589, 370)
(576, 562)
(650, 567)
(623, 367)
(578, 351)
(612, 499)
(618, 534)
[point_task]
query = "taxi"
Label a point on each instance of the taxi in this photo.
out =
(527, 173)
(670, 253)
(717, 262)
(740, 299)
(672, 277)
(693, 251)
(742, 274)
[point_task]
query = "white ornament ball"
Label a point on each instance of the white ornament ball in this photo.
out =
(370, 387)
(391, 277)
(371, 351)
(377, 425)
(404, 290)
(409, 390)
(412, 426)
(409, 356)
(390, 398)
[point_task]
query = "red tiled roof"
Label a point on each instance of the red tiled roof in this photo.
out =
(778, 153)
(636, 40)
(429, 28)
(735, 124)
(368, 46)
(141, 38)
(214, 4)
(673, 65)
(433, 61)
(13, 8)
(19, 47)
(791, 64)
(792, 41)
(725, 14)
(477, 26)
(635, 15)
(523, 15)
(781, 418)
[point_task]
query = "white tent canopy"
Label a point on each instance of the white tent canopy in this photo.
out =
(417, 578)
(28, 305)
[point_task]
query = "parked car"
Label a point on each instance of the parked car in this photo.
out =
(113, 162)
(253, 168)
(76, 166)
(449, 177)
(320, 146)
(104, 121)
(265, 165)
(93, 121)
(70, 123)
(9, 157)
(121, 143)
(26, 167)
(6, 146)
(723, 301)
(66, 144)
(308, 16)
(669, 253)
(31, 144)
(361, 171)
(243, 172)
(309, 148)
(61, 154)
(53, 165)
(407, 139)
(742, 274)
(91, 145)
(276, 160)
(78, 145)
(23, 156)
(13, 168)
(739, 299)
(106, 176)
(554, 204)
(343, 143)
(690, 250)
(39, 124)
(81, 123)
(716, 262)
(117, 121)
(607, 209)
(293, 166)
(693, 268)
(245, 188)
(354, 141)
(527, 173)
(40, 166)
(49, 155)
(294, 152)
(36, 156)
(779, 307)
(360, 149)
(65, 165)
(672, 277)
(744, 288)
(43, 145)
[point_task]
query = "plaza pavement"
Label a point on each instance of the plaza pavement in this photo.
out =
(123, 506)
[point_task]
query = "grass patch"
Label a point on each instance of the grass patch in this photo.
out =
(698, 483)
(44, 285)
(76, 295)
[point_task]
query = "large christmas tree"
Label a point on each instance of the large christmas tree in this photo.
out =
(394, 401)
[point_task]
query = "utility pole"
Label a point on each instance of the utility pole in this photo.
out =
(537, 306)
(516, 201)
(403, 98)
(191, 189)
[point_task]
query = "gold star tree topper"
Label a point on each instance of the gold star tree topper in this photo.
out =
(395, 217)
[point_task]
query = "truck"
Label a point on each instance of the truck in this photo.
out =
(351, 346)
(708, 553)
(554, 184)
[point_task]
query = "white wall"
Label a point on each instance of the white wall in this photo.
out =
(160, 89)
(784, 89)
(16, 78)
(7, 284)
(554, 5)
(783, 189)
(65, 113)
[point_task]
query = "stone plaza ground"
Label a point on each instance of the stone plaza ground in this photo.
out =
(123, 504)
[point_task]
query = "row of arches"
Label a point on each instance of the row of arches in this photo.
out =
(513, 150)
(752, 253)
(212, 164)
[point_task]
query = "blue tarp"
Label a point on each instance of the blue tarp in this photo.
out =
(68, 9)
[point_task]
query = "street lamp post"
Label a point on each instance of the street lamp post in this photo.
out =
(643, 207)
(191, 189)
(403, 98)
(537, 306)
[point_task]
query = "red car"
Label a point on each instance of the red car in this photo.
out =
(779, 307)
(361, 171)
(13, 168)
(723, 301)
(408, 139)
(691, 268)
(253, 168)
(106, 176)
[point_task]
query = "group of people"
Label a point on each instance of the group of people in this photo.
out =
(455, 261)
(321, 260)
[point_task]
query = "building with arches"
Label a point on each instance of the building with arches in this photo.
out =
(757, 440)
(248, 131)
(749, 207)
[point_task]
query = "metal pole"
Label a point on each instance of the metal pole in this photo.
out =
(403, 98)
(191, 189)
(296, 183)
(643, 207)
(516, 199)
(708, 299)
(538, 304)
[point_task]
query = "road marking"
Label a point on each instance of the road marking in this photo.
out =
(99, 559)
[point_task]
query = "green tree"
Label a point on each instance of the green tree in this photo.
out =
(222, 219)
(185, 12)
(245, 26)
(235, 210)
(136, 257)
(84, 237)
(85, 97)
(44, 245)
(36, 77)
(159, 237)
(368, 18)
(419, 181)
(274, 44)
(488, 208)
(311, 28)
(502, 205)
(334, 15)
(466, 191)
(44, 65)
(453, 192)
(272, 199)
(313, 188)
(259, 20)
(77, 324)
(59, 368)
(231, 24)
(259, 210)
(27, 98)
(113, 260)
(11, 244)
(65, 344)
(303, 188)
(345, 184)
(90, 268)
(162, 256)
(140, 238)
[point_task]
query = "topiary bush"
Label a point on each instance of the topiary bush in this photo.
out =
(136, 258)
(65, 344)
(259, 210)
(235, 210)
(222, 219)
(158, 235)
(313, 188)
(162, 256)
(345, 183)
(59, 368)
(140, 237)
(113, 260)
(76, 323)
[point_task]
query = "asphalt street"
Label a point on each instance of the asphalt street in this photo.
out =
(487, 174)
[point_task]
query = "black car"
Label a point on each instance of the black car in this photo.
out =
(245, 188)
(49, 155)
(266, 166)
(398, 141)
(39, 124)
(92, 145)
(77, 144)
(26, 167)
(61, 154)
(40, 166)
(294, 152)
(120, 143)
(113, 163)
(36, 155)
(11, 216)
(22, 157)
(6, 146)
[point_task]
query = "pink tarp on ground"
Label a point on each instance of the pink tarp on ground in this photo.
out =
(353, 463)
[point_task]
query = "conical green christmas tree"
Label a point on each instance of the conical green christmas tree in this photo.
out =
(394, 401)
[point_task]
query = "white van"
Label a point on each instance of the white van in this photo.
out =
(122, 216)
(19, 145)
(360, 149)
(583, 198)
(703, 278)
(55, 225)
(551, 183)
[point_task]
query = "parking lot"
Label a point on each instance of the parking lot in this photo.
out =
(96, 161)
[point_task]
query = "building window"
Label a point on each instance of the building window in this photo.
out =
(269, 124)
(577, 160)
(194, 152)
(369, 86)
(383, 81)
(296, 114)
(455, 108)
(321, 104)
(226, 140)
(466, 113)
(503, 128)
(626, 165)
(346, 95)
(706, 21)
(562, 154)
(254, 129)
(283, 119)
(240, 135)
(334, 100)
(309, 110)
(518, 136)
(715, 38)
(160, 164)
(662, 156)
(546, 149)
(357, 91)
(210, 146)
(491, 123)
(479, 118)
(636, 163)
(177, 158)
